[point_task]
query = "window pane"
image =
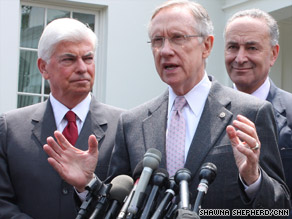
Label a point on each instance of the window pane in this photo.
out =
(85, 18)
(55, 14)
(29, 78)
(24, 100)
(32, 25)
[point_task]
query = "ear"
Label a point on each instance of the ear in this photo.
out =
(208, 45)
(42, 65)
(275, 53)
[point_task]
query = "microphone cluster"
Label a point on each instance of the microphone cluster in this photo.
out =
(153, 194)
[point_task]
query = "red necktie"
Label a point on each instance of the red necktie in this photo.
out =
(71, 131)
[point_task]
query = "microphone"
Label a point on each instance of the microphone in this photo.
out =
(165, 204)
(136, 174)
(121, 187)
(151, 161)
(207, 175)
(182, 178)
(159, 179)
(96, 188)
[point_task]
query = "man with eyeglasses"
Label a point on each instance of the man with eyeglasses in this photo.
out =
(234, 131)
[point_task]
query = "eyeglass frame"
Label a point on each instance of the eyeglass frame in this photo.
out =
(170, 39)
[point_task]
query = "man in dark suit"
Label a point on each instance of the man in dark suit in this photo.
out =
(251, 49)
(30, 187)
(233, 130)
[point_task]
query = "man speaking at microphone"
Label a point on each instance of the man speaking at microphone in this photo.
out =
(197, 120)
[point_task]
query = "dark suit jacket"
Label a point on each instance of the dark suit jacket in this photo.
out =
(145, 127)
(28, 184)
(282, 103)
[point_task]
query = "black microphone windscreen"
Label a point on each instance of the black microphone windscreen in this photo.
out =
(121, 187)
(208, 171)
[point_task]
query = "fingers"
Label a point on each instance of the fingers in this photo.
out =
(62, 140)
(243, 140)
(246, 126)
(236, 142)
(232, 135)
(52, 148)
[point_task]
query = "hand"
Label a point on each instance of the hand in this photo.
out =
(243, 141)
(75, 166)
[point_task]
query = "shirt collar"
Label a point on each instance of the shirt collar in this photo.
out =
(60, 110)
(263, 91)
(196, 97)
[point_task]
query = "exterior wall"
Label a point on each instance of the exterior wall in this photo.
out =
(126, 74)
(9, 42)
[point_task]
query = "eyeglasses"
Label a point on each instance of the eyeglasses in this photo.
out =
(179, 40)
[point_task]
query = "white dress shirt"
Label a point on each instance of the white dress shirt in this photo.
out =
(262, 92)
(60, 111)
(192, 111)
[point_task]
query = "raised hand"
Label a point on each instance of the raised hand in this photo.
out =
(246, 148)
(75, 166)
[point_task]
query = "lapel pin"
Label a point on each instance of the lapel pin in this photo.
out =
(222, 115)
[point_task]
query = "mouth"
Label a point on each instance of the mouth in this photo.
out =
(169, 66)
(81, 80)
(241, 69)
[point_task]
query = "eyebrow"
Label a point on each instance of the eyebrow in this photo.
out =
(73, 55)
(246, 43)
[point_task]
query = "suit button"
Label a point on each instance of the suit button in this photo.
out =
(65, 191)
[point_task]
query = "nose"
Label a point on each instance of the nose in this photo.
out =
(81, 66)
(166, 48)
(241, 56)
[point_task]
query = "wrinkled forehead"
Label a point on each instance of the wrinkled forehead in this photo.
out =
(250, 29)
(172, 19)
(246, 24)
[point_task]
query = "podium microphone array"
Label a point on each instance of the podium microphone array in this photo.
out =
(149, 194)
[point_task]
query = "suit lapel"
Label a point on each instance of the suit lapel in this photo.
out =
(154, 126)
(213, 122)
(44, 121)
(279, 108)
(92, 125)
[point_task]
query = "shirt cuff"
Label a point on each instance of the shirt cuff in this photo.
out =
(81, 195)
(252, 189)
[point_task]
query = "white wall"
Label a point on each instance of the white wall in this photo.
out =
(9, 42)
(286, 55)
(129, 76)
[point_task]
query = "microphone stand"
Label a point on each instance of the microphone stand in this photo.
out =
(103, 201)
(93, 187)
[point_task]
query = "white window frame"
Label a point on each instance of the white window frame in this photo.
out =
(100, 28)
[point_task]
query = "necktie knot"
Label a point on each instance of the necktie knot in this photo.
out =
(179, 103)
(71, 131)
(70, 116)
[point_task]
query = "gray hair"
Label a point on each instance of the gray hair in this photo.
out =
(63, 29)
(259, 14)
(204, 24)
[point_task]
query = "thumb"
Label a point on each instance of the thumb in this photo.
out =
(92, 145)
